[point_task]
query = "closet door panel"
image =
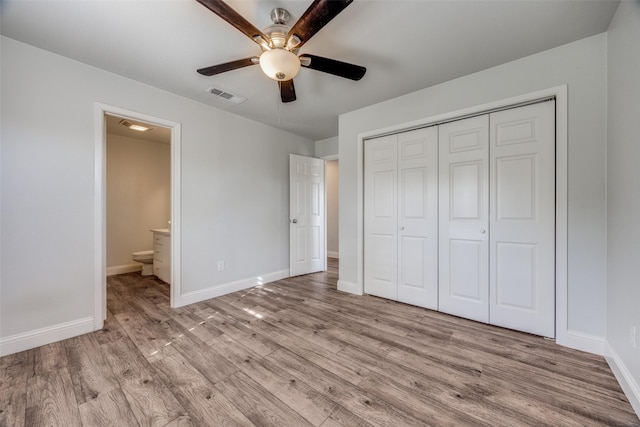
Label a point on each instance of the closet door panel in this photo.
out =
(522, 279)
(418, 217)
(412, 268)
(465, 270)
(380, 210)
(464, 218)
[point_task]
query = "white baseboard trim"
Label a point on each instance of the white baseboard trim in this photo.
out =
(584, 342)
(125, 268)
(226, 288)
(629, 384)
(36, 338)
(331, 254)
(349, 287)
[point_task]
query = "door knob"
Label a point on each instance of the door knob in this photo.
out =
(401, 228)
(295, 221)
(483, 231)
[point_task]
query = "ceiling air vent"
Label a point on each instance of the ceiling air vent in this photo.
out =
(226, 95)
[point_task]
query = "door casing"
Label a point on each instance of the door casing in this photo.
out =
(100, 182)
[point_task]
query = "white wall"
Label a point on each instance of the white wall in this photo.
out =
(332, 209)
(580, 65)
(235, 196)
(138, 195)
(623, 192)
(327, 147)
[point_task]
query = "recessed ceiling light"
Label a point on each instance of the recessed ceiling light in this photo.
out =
(134, 126)
(139, 128)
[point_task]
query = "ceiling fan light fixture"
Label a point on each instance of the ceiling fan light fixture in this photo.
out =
(279, 64)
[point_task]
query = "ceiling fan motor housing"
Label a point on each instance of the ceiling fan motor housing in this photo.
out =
(277, 34)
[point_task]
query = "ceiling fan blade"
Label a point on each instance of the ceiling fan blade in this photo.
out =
(287, 91)
(228, 66)
(227, 13)
(315, 17)
(332, 66)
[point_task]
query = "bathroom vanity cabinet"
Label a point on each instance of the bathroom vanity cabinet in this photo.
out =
(162, 254)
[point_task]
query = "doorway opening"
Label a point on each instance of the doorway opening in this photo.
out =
(331, 189)
(137, 190)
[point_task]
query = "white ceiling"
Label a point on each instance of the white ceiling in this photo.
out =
(405, 45)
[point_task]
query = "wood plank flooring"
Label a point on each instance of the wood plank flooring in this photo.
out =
(298, 353)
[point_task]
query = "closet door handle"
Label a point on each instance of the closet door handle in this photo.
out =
(483, 231)
(401, 228)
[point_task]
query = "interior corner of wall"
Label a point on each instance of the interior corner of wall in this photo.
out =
(629, 384)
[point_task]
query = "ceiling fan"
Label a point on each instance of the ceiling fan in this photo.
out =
(280, 44)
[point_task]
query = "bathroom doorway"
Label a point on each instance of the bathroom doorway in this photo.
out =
(138, 192)
(137, 188)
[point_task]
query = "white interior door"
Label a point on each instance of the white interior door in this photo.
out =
(381, 217)
(522, 238)
(464, 218)
(418, 217)
(306, 215)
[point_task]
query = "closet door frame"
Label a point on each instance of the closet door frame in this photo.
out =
(560, 93)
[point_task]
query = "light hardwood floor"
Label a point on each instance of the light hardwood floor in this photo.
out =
(298, 352)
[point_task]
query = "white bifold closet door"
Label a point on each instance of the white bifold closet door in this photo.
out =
(401, 217)
(497, 218)
(464, 218)
(522, 219)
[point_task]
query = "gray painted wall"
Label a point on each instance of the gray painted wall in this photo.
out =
(582, 66)
(235, 191)
(623, 187)
(327, 147)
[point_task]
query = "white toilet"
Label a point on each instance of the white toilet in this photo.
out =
(146, 258)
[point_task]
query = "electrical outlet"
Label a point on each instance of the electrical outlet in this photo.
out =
(633, 336)
(220, 265)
